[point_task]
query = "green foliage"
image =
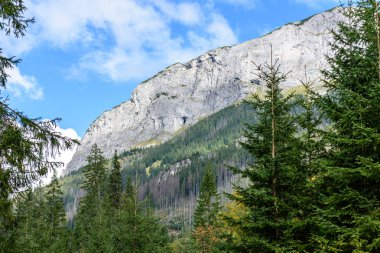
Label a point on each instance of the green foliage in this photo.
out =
(311, 125)
(312, 186)
(25, 144)
(141, 231)
(114, 181)
(212, 141)
(6, 215)
(13, 22)
(208, 201)
(41, 221)
(337, 165)
(184, 244)
(95, 173)
(109, 221)
(55, 218)
(30, 224)
(277, 176)
(205, 230)
(91, 223)
(348, 214)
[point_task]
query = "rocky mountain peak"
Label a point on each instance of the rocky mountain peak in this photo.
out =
(183, 93)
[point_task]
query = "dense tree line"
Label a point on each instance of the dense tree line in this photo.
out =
(213, 141)
(314, 184)
(108, 220)
(313, 177)
(215, 135)
(41, 222)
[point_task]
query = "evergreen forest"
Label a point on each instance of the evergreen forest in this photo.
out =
(278, 172)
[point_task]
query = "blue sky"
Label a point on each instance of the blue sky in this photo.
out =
(83, 57)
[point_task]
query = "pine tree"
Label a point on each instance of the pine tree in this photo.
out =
(348, 215)
(57, 233)
(95, 174)
(31, 227)
(41, 223)
(137, 230)
(305, 196)
(276, 178)
(129, 189)
(311, 124)
(6, 215)
(206, 230)
(92, 224)
(115, 184)
(208, 201)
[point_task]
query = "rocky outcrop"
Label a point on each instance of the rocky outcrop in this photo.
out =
(181, 94)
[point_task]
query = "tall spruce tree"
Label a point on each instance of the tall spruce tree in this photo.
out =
(57, 232)
(95, 174)
(91, 224)
(136, 229)
(349, 214)
(273, 221)
(115, 183)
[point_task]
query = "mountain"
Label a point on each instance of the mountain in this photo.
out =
(170, 173)
(182, 94)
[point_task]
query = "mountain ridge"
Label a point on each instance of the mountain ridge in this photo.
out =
(181, 94)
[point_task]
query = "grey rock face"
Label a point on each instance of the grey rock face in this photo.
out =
(181, 94)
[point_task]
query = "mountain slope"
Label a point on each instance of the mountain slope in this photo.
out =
(182, 94)
(170, 173)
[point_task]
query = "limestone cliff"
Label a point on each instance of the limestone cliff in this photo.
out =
(182, 94)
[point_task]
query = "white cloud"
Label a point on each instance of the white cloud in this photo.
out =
(317, 4)
(23, 85)
(16, 46)
(124, 62)
(186, 13)
(218, 33)
(127, 40)
(65, 156)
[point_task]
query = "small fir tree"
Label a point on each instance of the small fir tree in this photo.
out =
(206, 230)
(208, 203)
